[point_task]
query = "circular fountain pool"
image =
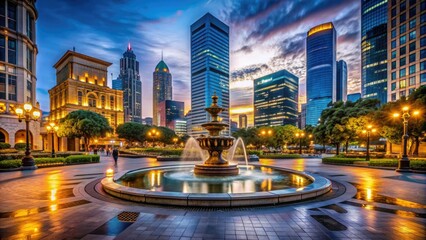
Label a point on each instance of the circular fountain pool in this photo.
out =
(177, 185)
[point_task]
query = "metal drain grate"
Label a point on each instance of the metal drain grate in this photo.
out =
(128, 216)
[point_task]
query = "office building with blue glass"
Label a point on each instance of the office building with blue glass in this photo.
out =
(117, 84)
(276, 99)
(209, 70)
(320, 70)
(354, 97)
(341, 81)
(374, 19)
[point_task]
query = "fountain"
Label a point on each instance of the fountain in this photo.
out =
(215, 165)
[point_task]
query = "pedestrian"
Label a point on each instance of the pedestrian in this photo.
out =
(115, 155)
(107, 151)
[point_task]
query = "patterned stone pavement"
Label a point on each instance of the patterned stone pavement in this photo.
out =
(68, 203)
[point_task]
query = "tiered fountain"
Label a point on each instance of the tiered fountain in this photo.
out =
(215, 165)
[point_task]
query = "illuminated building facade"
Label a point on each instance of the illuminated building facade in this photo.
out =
(169, 111)
(276, 99)
(209, 71)
(18, 70)
(162, 89)
(81, 84)
(341, 81)
(180, 127)
(374, 49)
(406, 47)
(131, 86)
(320, 70)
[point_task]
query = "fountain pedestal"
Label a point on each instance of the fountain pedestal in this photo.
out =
(215, 165)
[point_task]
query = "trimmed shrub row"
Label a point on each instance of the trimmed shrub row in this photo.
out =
(415, 164)
(4, 145)
(20, 146)
(341, 160)
(11, 156)
(7, 164)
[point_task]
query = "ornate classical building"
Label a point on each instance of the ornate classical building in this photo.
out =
(81, 83)
(18, 51)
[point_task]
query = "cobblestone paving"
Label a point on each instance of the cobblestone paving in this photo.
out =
(53, 203)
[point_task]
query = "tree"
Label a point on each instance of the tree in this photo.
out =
(166, 135)
(132, 132)
(82, 123)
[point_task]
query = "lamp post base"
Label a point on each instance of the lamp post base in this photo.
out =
(28, 163)
(403, 165)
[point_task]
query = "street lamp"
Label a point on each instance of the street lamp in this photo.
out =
(369, 130)
(153, 133)
(404, 162)
(27, 114)
(175, 140)
(52, 128)
(300, 136)
(265, 133)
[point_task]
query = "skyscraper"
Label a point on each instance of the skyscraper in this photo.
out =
(373, 49)
(354, 97)
(406, 47)
(320, 70)
(342, 81)
(242, 118)
(18, 70)
(117, 84)
(132, 86)
(169, 111)
(162, 88)
(209, 70)
(276, 99)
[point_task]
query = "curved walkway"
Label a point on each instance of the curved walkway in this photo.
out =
(67, 203)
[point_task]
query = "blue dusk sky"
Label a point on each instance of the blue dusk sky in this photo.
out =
(265, 36)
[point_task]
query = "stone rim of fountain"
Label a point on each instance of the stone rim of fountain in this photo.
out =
(319, 186)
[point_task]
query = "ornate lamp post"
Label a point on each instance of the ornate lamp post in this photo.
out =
(153, 133)
(52, 128)
(404, 162)
(369, 130)
(27, 114)
(300, 136)
(175, 141)
(265, 133)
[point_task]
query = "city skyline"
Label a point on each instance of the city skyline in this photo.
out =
(265, 37)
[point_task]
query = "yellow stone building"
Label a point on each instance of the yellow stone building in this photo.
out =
(81, 84)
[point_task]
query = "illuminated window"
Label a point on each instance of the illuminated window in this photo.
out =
(412, 23)
(412, 81)
(111, 102)
(402, 72)
(412, 69)
(103, 101)
(412, 35)
(12, 87)
(92, 100)
(402, 83)
(402, 29)
(402, 40)
(80, 98)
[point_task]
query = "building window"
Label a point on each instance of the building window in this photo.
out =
(11, 81)
(393, 54)
(402, 40)
(11, 15)
(412, 12)
(393, 23)
(393, 75)
(423, 66)
(393, 65)
(393, 34)
(402, 29)
(412, 81)
(30, 56)
(412, 46)
(92, 100)
(402, 84)
(402, 6)
(423, 18)
(412, 35)
(402, 72)
(111, 102)
(402, 62)
(393, 96)
(412, 57)
(422, 53)
(412, 2)
(2, 86)
(393, 44)
(3, 13)
(402, 17)
(422, 6)
(412, 69)
(422, 30)
(402, 51)
(402, 93)
(422, 42)
(393, 86)
(412, 23)
(393, 12)
(11, 51)
(103, 101)
(411, 90)
(423, 77)
(30, 21)
(80, 98)
(2, 48)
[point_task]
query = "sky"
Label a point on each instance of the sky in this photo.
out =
(265, 36)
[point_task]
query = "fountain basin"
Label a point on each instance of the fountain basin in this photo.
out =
(187, 196)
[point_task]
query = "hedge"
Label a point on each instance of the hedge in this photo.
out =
(20, 146)
(4, 145)
(415, 164)
(75, 159)
(12, 156)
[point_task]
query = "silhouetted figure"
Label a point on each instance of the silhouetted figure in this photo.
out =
(115, 155)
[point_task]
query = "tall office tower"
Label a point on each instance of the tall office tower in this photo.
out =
(169, 111)
(303, 117)
(209, 70)
(117, 84)
(242, 120)
(162, 89)
(354, 97)
(18, 70)
(373, 49)
(132, 86)
(320, 70)
(341, 81)
(276, 99)
(406, 47)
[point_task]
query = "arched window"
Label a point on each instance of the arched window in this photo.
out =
(92, 101)
(103, 101)
(80, 98)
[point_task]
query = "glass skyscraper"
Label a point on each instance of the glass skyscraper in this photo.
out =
(320, 70)
(342, 81)
(132, 86)
(373, 49)
(276, 99)
(209, 70)
(162, 89)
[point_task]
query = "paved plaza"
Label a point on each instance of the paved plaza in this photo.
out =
(68, 203)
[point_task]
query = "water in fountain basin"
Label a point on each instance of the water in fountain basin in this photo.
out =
(237, 152)
(193, 151)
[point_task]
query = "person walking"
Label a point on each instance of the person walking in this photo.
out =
(115, 155)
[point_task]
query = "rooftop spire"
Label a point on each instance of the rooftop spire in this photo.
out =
(161, 54)
(129, 47)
